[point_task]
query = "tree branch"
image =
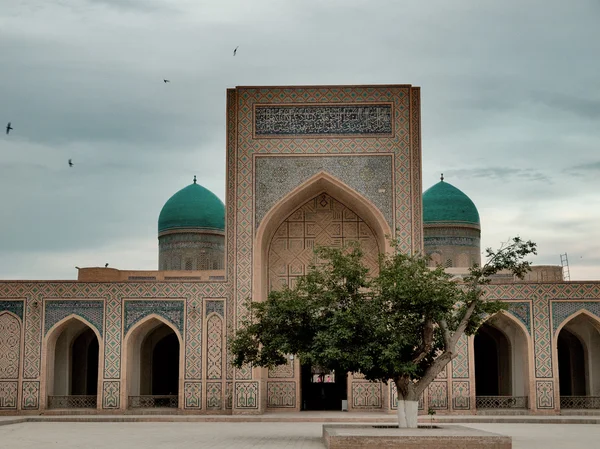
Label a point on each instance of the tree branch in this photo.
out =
(427, 344)
(432, 371)
(446, 335)
(462, 326)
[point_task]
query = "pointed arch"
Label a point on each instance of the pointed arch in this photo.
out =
(517, 364)
(63, 322)
(58, 370)
(576, 358)
(320, 183)
(594, 318)
(131, 357)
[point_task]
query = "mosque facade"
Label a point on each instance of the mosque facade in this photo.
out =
(306, 166)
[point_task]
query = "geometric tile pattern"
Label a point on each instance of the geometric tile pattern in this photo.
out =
(214, 347)
(214, 395)
(8, 395)
(193, 395)
(10, 348)
(92, 311)
(366, 395)
(136, 310)
(33, 338)
(31, 395)
(438, 395)
(460, 364)
(246, 395)
(542, 340)
(322, 221)
(561, 310)
(112, 339)
(193, 340)
(371, 176)
(281, 394)
(111, 394)
(15, 307)
(461, 395)
(522, 311)
(544, 392)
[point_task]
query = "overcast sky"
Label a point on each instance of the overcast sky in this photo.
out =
(510, 112)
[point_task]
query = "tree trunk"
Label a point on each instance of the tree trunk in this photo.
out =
(408, 404)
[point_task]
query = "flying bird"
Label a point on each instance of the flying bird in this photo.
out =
(235, 50)
(166, 81)
(106, 265)
(8, 128)
(70, 163)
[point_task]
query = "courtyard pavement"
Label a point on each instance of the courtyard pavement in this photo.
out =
(245, 435)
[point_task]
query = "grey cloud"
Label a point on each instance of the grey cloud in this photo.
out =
(499, 173)
(588, 108)
(83, 79)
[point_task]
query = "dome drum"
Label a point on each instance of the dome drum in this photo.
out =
(191, 231)
(451, 227)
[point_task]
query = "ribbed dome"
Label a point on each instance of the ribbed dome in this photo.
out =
(192, 207)
(444, 203)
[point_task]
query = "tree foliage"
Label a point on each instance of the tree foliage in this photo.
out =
(402, 323)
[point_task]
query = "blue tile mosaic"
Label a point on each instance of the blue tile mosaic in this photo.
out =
(171, 310)
(371, 176)
(15, 307)
(91, 310)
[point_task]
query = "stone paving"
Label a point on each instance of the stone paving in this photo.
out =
(245, 435)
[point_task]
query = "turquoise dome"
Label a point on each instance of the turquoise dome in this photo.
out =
(192, 207)
(444, 203)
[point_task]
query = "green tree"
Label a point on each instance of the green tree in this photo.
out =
(403, 323)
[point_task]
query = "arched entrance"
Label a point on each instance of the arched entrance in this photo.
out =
(578, 354)
(501, 364)
(321, 221)
(72, 365)
(153, 365)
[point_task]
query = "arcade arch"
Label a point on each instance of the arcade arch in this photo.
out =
(153, 360)
(578, 355)
(501, 350)
(72, 364)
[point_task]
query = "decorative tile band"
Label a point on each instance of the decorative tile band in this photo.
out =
(92, 311)
(323, 120)
(14, 306)
(135, 310)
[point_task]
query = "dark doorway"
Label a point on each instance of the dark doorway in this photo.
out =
(323, 390)
(492, 362)
(84, 364)
(571, 365)
(165, 366)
